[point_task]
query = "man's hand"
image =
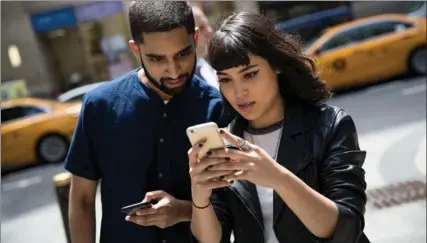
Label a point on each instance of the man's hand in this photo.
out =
(167, 212)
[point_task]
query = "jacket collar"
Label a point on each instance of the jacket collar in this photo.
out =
(294, 154)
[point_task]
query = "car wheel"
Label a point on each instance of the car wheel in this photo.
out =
(418, 62)
(52, 148)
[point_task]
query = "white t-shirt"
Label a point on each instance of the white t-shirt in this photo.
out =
(269, 142)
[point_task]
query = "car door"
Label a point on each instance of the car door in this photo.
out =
(389, 42)
(16, 139)
(339, 60)
(9, 135)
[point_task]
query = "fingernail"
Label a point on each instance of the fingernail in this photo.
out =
(200, 145)
(227, 158)
(221, 131)
(209, 153)
(127, 218)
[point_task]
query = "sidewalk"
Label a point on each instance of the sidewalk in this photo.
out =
(399, 224)
(405, 223)
(402, 224)
(43, 225)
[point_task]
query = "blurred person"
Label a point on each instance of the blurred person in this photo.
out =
(296, 175)
(203, 68)
(131, 134)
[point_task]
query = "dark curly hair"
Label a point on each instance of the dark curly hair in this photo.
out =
(247, 32)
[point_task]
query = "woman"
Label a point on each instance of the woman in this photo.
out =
(298, 175)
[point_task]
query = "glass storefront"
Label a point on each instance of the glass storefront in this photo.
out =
(106, 47)
(64, 54)
(90, 46)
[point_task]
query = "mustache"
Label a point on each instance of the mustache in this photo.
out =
(186, 75)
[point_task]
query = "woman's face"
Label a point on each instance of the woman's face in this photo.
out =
(252, 90)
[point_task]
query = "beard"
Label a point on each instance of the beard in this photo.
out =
(161, 84)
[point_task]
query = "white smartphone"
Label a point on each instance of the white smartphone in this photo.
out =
(206, 131)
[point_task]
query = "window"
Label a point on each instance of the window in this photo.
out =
(342, 39)
(17, 112)
(364, 32)
(383, 28)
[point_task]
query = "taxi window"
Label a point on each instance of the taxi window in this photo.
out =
(343, 38)
(17, 112)
(384, 28)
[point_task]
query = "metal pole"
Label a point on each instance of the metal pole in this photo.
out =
(62, 183)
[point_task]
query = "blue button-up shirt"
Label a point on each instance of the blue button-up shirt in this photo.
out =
(135, 143)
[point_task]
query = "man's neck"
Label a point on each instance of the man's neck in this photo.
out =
(147, 83)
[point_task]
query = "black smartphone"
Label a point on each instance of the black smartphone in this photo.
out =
(131, 209)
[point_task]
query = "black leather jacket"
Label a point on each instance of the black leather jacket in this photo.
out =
(320, 145)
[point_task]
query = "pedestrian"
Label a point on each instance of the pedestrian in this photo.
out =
(203, 68)
(131, 134)
(296, 175)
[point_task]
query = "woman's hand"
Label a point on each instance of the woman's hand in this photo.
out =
(204, 180)
(252, 163)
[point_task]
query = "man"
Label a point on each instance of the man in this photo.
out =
(203, 69)
(131, 134)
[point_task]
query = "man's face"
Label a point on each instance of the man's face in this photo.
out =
(168, 57)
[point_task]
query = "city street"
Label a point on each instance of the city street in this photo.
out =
(391, 122)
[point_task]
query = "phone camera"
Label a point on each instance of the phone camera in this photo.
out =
(192, 131)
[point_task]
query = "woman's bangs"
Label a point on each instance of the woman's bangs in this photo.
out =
(227, 51)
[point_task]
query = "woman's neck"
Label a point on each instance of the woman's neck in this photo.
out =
(275, 114)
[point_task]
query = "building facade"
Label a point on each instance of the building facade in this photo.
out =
(63, 42)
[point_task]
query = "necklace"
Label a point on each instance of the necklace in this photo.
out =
(277, 143)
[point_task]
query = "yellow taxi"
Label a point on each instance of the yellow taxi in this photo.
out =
(370, 49)
(36, 130)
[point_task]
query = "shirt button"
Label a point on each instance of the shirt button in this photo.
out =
(161, 140)
(160, 175)
(165, 115)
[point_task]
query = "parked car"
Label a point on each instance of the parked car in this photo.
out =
(77, 94)
(36, 130)
(370, 49)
